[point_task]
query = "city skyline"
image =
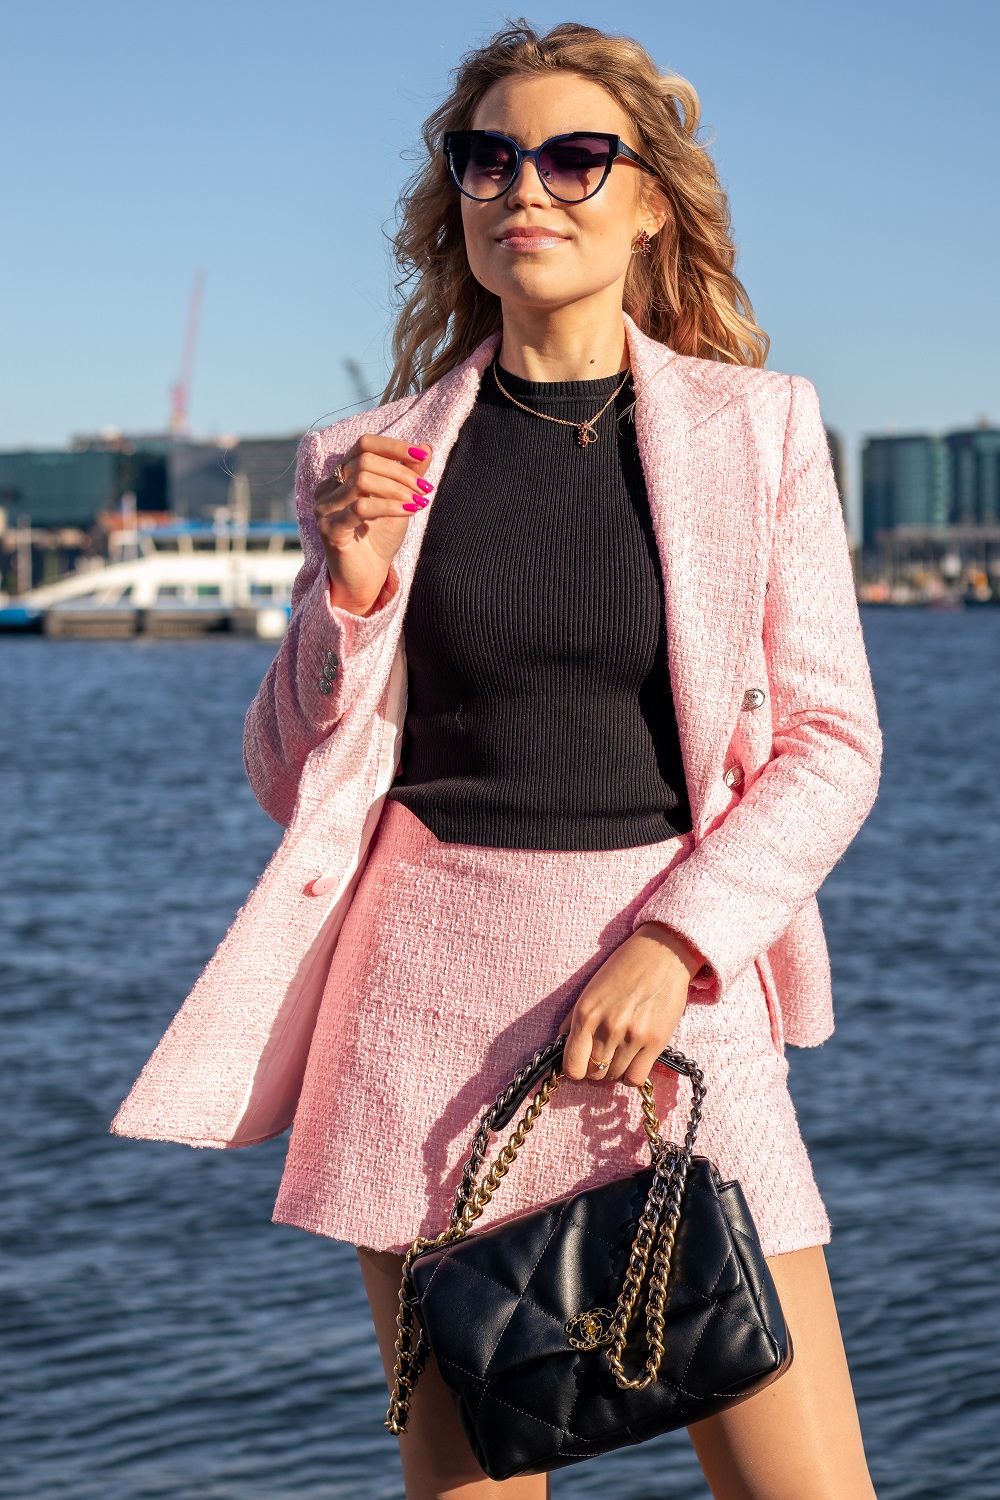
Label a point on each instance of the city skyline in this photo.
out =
(151, 144)
(931, 480)
(923, 479)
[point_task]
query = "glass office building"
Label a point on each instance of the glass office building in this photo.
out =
(905, 482)
(974, 476)
(57, 488)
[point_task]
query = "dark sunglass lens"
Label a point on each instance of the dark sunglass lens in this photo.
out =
(572, 168)
(483, 165)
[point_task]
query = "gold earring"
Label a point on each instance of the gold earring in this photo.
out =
(642, 243)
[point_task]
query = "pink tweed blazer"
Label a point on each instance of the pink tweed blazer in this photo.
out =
(770, 680)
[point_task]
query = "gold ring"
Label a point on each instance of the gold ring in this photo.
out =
(339, 474)
(603, 1064)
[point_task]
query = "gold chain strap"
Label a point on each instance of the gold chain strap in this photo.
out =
(665, 1194)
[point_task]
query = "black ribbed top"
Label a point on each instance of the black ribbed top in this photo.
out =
(539, 712)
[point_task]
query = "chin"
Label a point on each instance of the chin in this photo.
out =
(533, 284)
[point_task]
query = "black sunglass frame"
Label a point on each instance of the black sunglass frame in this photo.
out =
(616, 148)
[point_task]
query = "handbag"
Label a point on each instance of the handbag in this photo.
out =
(530, 1320)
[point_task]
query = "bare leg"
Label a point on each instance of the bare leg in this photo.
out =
(438, 1463)
(800, 1438)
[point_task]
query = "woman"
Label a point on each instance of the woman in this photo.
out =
(581, 466)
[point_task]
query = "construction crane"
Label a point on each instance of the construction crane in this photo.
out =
(180, 392)
(353, 368)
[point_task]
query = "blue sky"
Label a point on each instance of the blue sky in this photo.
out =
(265, 143)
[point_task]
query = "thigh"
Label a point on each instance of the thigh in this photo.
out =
(438, 1463)
(799, 1439)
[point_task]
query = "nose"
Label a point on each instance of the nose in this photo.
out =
(527, 186)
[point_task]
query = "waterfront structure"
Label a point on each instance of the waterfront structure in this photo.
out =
(200, 478)
(179, 579)
(836, 448)
(974, 476)
(252, 478)
(928, 563)
(58, 487)
(920, 479)
(931, 515)
(72, 486)
(55, 503)
(904, 483)
(268, 467)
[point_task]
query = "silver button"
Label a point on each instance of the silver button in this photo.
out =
(753, 697)
(325, 687)
(733, 777)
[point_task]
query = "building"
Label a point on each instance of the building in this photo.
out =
(254, 477)
(57, 487)
(974, 476)
(905, 482)
(200, 478)
(922, 482)
(836, 448)
(55, 504)
(268, 466)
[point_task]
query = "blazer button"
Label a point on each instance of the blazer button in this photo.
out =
(325, 687)
(753, 698)
(332, 659)
(733, 777)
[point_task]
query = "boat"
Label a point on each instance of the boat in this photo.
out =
(182, 579)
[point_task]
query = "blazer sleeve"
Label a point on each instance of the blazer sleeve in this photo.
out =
(326, 654)
(740, 887)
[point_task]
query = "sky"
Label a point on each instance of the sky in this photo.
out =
(265, 145)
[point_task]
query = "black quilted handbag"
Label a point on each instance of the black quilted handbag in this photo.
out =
(528, 1320)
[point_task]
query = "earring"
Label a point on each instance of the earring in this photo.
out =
(642, 243)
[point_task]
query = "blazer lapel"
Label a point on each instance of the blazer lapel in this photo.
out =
(708, 527)
(439, 412)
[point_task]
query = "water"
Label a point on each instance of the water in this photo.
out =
(164, 1341)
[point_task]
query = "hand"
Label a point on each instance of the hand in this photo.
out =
(362, 521)
(629, 1010)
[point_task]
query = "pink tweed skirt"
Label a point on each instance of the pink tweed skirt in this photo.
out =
(454, 964)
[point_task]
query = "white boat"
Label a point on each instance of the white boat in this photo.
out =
(180, 579)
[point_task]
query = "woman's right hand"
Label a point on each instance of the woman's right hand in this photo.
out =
(362, 521)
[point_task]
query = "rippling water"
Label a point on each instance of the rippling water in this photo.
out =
(163, 1339)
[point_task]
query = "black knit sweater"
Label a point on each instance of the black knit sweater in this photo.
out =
(539, 712)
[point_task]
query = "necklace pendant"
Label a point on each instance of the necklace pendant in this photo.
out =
(585, 434)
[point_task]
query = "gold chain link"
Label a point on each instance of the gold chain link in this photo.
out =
(586, 433)
(406, 1369)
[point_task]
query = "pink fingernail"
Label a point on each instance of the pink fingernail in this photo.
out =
(410, 506)
(425, 485)
(416, 452)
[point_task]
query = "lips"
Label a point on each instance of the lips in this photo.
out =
(531, 238)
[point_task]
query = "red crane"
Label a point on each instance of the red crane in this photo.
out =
(180, 392)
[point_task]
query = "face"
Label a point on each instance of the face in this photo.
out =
(586, 249)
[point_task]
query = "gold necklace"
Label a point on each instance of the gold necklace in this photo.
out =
(585, 432)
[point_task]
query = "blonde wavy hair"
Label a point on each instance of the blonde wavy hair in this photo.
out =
(684, 293)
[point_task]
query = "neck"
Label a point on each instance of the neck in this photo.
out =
(566, 343)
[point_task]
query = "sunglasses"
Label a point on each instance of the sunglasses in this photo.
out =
(572, 167)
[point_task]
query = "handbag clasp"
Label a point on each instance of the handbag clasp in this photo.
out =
(591, 1329)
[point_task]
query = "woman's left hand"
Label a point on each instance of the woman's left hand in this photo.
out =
(628, 1011)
